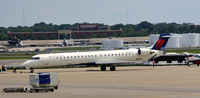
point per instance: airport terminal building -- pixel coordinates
(74, 32)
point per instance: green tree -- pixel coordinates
(2, 29)
(192, 28)
(145, 25)
(3, 36)
(197, 29)
(186, 28)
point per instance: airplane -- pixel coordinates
(195, 59)
(64, 43)
(102, 58)
(15, 42)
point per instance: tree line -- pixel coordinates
(129, 30)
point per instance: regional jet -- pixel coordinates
(102, 58)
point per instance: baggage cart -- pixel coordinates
(47, 81)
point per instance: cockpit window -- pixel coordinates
(35, 58)
(196, 56)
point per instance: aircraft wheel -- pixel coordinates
(56, 87)
(31, 70)
(112, 68)
(153, 64)
(51, 90)
(188, 64)
(36, 90)
(103, 68)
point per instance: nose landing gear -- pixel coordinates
(31, 70)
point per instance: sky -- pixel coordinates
(110, 12)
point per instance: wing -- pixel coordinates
(112, 62)
(107, 62)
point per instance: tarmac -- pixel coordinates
(11, 62)
(127, 82)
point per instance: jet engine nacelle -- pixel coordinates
(144, 51)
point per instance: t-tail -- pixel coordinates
(161, 42)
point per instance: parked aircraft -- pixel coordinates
(102, 58)
(15, 42)
(195, 59)
(62, 44)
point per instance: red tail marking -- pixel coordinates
(159, 43)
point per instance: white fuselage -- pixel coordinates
(96, 57)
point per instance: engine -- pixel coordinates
(144, 51)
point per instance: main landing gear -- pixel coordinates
(112, 68)
(103, 68)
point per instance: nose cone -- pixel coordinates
(27, 63)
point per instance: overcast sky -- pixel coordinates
(98, 11)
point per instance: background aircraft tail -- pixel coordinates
(161, 42)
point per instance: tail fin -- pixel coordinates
(161, 42)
